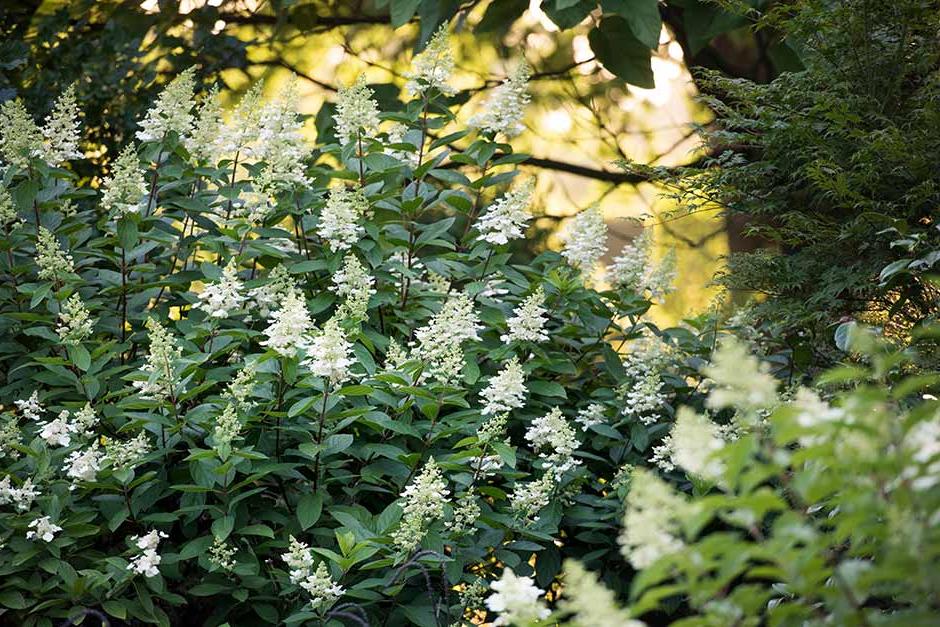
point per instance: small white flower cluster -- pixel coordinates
(644, 397)
(161, 383)
(329, 353)
(528, 499)
(22, 497)
(922, 443)
(504, 110)
(10, 437)
(423, 503)
(170, 112)
(241, 387)
(207, 128)
(53, 262)
(356, 112)
(30, 407)
(398, 134)
(635, 270)
(280, 140)
(75, 323)
(8, 216)
(591, 415)
(506, 218)
(432, 68)
(124, 454)
(588, 602)
(269, 296)
(740, 380)
(466, 512)
(227, 428)
(339, 219)
(59, 430)
(651, 527)
(221, 555)
(224, 297)
(586, 240)
(288, 325)
(147, 560)
(83, 465)
(516, 600)
(56, 142)
(62, 129)
(318, 584)
(555, 442)
(692, 445)
(42, 528)
(125, 187)
(355, 285)
(506, 391)
(438, 344)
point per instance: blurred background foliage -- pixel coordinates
(612, 80)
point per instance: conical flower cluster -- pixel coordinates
(506, 218)
(62, 130)
(171, 113)
(356, 112)
(527, 323)
(125, 188)
(586, 240)
(504, 110)
(339, 219)
(433, 67)
(329, 353)
(224, 297)
(506, 391)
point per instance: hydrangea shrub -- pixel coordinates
(250, 380)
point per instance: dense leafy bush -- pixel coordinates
(248, 381)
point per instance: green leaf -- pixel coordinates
(127, 232)
(402, 11)
(570, 16)
(222, 527)
(79, 356)
(500, 15)
(621, 53)
(337, 443)
(309, 509)
(13, 599)
(642, 17)
(547, 388)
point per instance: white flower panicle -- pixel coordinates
(813, 411)
(634, 269)
(242, 386)
(504, 110)
(527, 323)
(62, 130)
(20, 137)
(516, 600)
(22, 497)
(423, 503)
(355, 285)
(395, 356)
(506, 391)
(644, 397)
(299, 560)
(172, 110)
(243, 125)
(85, 419)
(147, 561)
(433, 67)
(339, 219)
(356, 112)
(692, 445)
(289, 325)
(591, 415)
(58, 431)
(740, 379)
(10, 437)
(280, 140)
(8, 216)
(528, 499)
(75, 323)
(269, 296)
(586, 239)
(224, 297)
(160, 368)
(125, 454)
(554, 441)
(438, 344)
(397, 134)
(508, 216)
(221, 555)
(125, 188)
(651, 523)
(227, 428)
(203, 142)
(42, 528)
(922, 443)
(31, 408)
(321, 588)
(588, 602)
(54, 263)
(83, 465)
(329, 354)
(466, 512)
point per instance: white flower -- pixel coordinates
(329, 353)
(432, 68)
(288, 326)
(53, 262)
(227, 428)
(651, 527)
(240, 389)
(516, 600)
(22, 497)
(62, 129)
(322, 589)
(147, 561)
(466, 512)
(221, 555)
(506, 218)
(8, 216)
(268, 297)
(10, 436)
(586, 240)
(555, 441)
(635, 270)
(83, 465)
(356, 111)
(43, 529)
(58, 431)
(20, 138)
(813, 411)
(589, 603)
(299, 559)
(202, 144)
(124, 454)
(75, 323)
(171, 111)
(505, 391)
(224, 297)
(161, 382)
(740, 379)
(438, 344)
(528, 499)
(339, 219)
(693, 443)
(643, 397)
(923, 444)
(423, 502)
(591, 415)
(527, 323)
(85, 420)
(398, 134)
(125, 188)
(31, 407)
(504, 110)
(244, 124)
(354, 284)
(280, 141)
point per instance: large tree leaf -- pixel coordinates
(642, 17)
(621, 53)
(568, 17)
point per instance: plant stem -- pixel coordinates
(316, 461)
